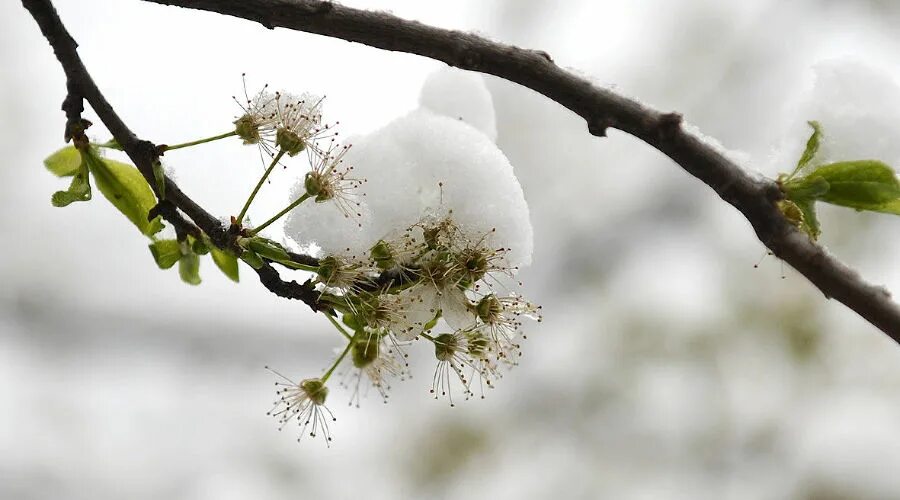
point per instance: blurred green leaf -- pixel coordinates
(431, 324)
(64, 162)
(806, 188)
(351, 321)
(79, 188)
(812, 145)
(165, 252)
(200, 247)
(125, 187)
(268, 249)
(160, 177)
(189, 268)
(858, 184)
(226, 262)
(810, 223)
(252, 259)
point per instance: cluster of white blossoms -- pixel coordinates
(284, 125)
(431, 257)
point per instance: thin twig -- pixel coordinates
(80, 86)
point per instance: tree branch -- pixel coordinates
(80, 86)
(754, 197)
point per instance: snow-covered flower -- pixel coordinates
(397, 253)
(451, 351)
(329, 179)
(260, 118)
(299, 121)
(501, 317)
(336, 271)
(375, 360)
(481, 359)
(393, 313)
(303, 402)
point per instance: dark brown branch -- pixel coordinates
(754, 197)
(80, 86)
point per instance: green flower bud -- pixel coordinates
(383, 255)
(316, 186)
(489, 309)
(315, 390)
(477, 344)
(289, 142)
(329, 267)
(445, 346)
(364, 352)
(247, 129)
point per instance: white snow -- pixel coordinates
(423, 164)
(858, 106)
(461, 95)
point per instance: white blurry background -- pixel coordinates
(667, 367)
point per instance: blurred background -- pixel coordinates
(666, 367)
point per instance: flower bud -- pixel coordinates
(315, 390)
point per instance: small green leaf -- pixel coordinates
(802, 214)
(431, 324)
(79, 189)
(160, 177)
(189, 268)
(812, 145)
(200, 247)
(806, 188)
(351, 321)
(112, 144)
(64, 162)
(125, 187)
(226, 262)
(268, 249)
(165, 252)
(810, 221)
(858, 184)
(252, 259)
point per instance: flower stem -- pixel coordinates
(336, 362)
(301, 267)
(199, 141)
(281, 214)
(339, 327)
(240, 217)
(429, 337)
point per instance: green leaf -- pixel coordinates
(802, 214)
(351, 321)
(226, 262)
(165, 252)
(858, 184)
(79, 189)
(812, 145)
(160, 177)
(252, 259)
(200, 247)
(805, 188)
(64, 162)
(112, 144)
(810, 224)
(268, 249)
(189, 268)
(431, 324)
(125, 187)
(891, 207)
